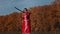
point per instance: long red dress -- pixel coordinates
(26, 23)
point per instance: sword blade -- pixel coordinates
(18, 9)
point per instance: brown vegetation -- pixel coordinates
(11, 22)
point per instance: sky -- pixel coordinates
(7, 6)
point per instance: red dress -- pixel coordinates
(26, 23)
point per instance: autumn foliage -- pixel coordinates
(11, 22)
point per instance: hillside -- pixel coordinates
(45, 18)
(11, 22)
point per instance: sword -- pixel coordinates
(18, 9)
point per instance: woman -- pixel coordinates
(26, 22)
